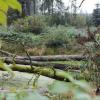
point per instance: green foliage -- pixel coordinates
(32, 24)
(10, 38)
(60, 87)
(6, 68)
(78, 21)
(56, 19)
(67, 19)
(14, 37)
(4, 6)
(91, 43)
(75, 90)
(59, 36)
(52, 40)
(23, 96)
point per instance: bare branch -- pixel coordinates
(81, 3)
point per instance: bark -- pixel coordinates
(54, 58)
(47, 58)
(41, 64)
(52, 6)
(48, 72)
(34, 6)
(5, 53)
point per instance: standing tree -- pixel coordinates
(49, 5)
(25, 7)
(96, 15)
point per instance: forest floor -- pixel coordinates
(21, 80)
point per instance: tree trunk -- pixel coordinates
(34, 9)
(52, 6)
(48, 7)
(28, 4)
(42, 64)
(55, 58)
(48, 72)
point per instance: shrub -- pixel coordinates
(14, 37)
(58, 36)
(11, 41)
(80, 21)
(55, 19)
(34, 24)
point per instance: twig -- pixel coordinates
(36, 79)
(28, 56)
(81, 3)
(30, 79)
(6, 53)
(29, 60)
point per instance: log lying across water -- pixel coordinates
(54, 58)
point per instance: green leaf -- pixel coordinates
(14, 4)
(3, 6)
(82, 84)
(3, 18)
(35, 96)
(82, 96)
(11, 96)
(60, 87)
(6, 68)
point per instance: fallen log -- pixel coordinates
(47, 58)
(5, 53)
(54, 58)
(41, 64)
(48, 72)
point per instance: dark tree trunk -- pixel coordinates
(34, 6)
(25, 7)
(52, 6)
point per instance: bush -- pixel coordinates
(55, 19)
(34, 24)
(11, 41)
(15, 37)
(58, 36)
(78, 21)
